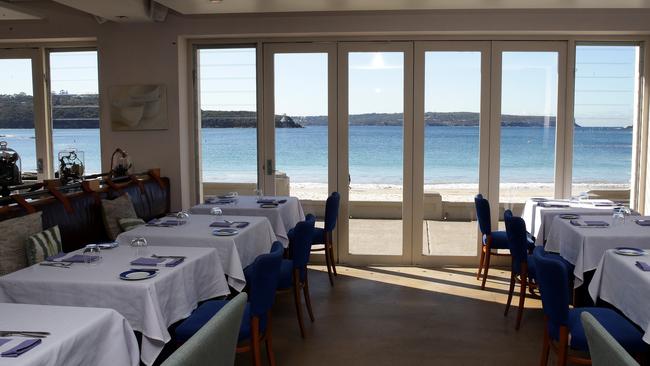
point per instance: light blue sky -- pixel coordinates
(604, 81)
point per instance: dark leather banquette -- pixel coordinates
(79, 215)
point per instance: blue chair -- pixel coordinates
(262, 277)
(490, 239)
(521, 265)
(562, 328)
(324, 235)
(293, 272)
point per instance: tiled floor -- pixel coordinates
(407, 316)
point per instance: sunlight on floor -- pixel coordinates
(458, 281)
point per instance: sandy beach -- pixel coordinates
(509, 192)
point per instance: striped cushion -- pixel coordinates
(128, 224)
(42, 245)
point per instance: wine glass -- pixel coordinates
(216, 211)
(258, 192)
(140, 246)
(182, 215)
(92, 254)
(618, 216)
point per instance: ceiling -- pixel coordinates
(156, 10)
(12, 12)
(275, 6)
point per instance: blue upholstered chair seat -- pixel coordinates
(499, 240)
(620, 328)
(205, 312)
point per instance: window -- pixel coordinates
(75, 106)
(228, 102)
(606, 93)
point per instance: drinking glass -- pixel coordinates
(258, 192)
(618, 217)
(92, 254)
(216, 211)
(140, 246)
(181, 215)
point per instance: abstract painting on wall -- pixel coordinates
(138, 107)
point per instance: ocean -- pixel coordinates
(601, 155)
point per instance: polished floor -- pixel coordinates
(407, 316)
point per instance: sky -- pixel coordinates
(605, 81)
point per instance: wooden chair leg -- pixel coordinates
(328, 261)
(522, 298)
(486, 266)
(510, 291)
(480, 263)
(255, 341)
(296, 298)
(563, 346)
(330, 245)
(305, 291)
(546, 347)
(269, 340)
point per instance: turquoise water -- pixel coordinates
(601, 155)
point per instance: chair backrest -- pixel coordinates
(262, 277)
(216, 341)
(553, 280)
(603, 348)
(483, 214)
(300, 241)
(332, 211)
(517, 240)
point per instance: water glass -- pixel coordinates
(258, 192)
(92, 254)
(140, 246)
(618, 217)
(216, 211)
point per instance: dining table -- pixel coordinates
(538, 213)
(619, 281)
(150, 305)
(235, 250)
(76, 336)
(583, 241)
(283, 216)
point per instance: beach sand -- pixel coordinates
(509, 192)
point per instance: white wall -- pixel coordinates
(154, 53)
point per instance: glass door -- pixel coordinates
(375, 161)
(300, 112)
(22, 112)
(451, 148)
(529, 80)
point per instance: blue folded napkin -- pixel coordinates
(21, 348)
(643, 265)
(220, 201)
(56, 256)
(237, 224)
(4, 340)
(642, 222)
(80, 258)
(271, 201)
(147, 261)
(596, 223)
(174, 262)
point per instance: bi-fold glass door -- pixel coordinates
(407, 132)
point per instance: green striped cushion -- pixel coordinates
(42, 245)
(130, 223)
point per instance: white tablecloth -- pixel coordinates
(619, 282)
(234, 252)
(585, 246)
(538, 219)
(79, 336)
(150, 306)
(282, 218)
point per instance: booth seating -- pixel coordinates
(79, 214)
